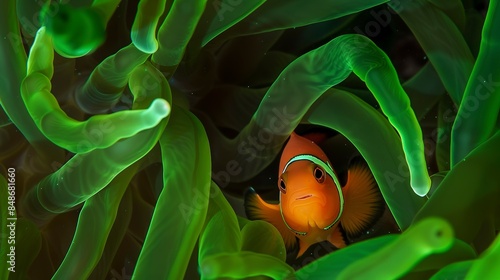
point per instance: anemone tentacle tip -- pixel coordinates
(145, 46)
(161, 107)
(421, 188)
(421, 192)
(440, 231)
(42, 29)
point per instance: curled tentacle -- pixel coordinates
(78, 136)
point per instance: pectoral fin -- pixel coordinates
(257, 209)
(363, 202)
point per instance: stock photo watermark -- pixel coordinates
(11, 219)
(223, 7)
(253, 144)
(469, 106)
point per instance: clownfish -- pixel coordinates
(313, 206)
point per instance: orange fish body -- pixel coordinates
(313, 206)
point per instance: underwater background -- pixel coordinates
(130, 131)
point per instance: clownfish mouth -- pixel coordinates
(304, 197)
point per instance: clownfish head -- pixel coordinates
(310, 192)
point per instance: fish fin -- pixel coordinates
(257, 209)
(363, 202)
(337, 238)
(303, 246)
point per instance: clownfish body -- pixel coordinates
(313, 206)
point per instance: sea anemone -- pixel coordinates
(131, 129)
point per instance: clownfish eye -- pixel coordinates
(282, 185)
(319, 174)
